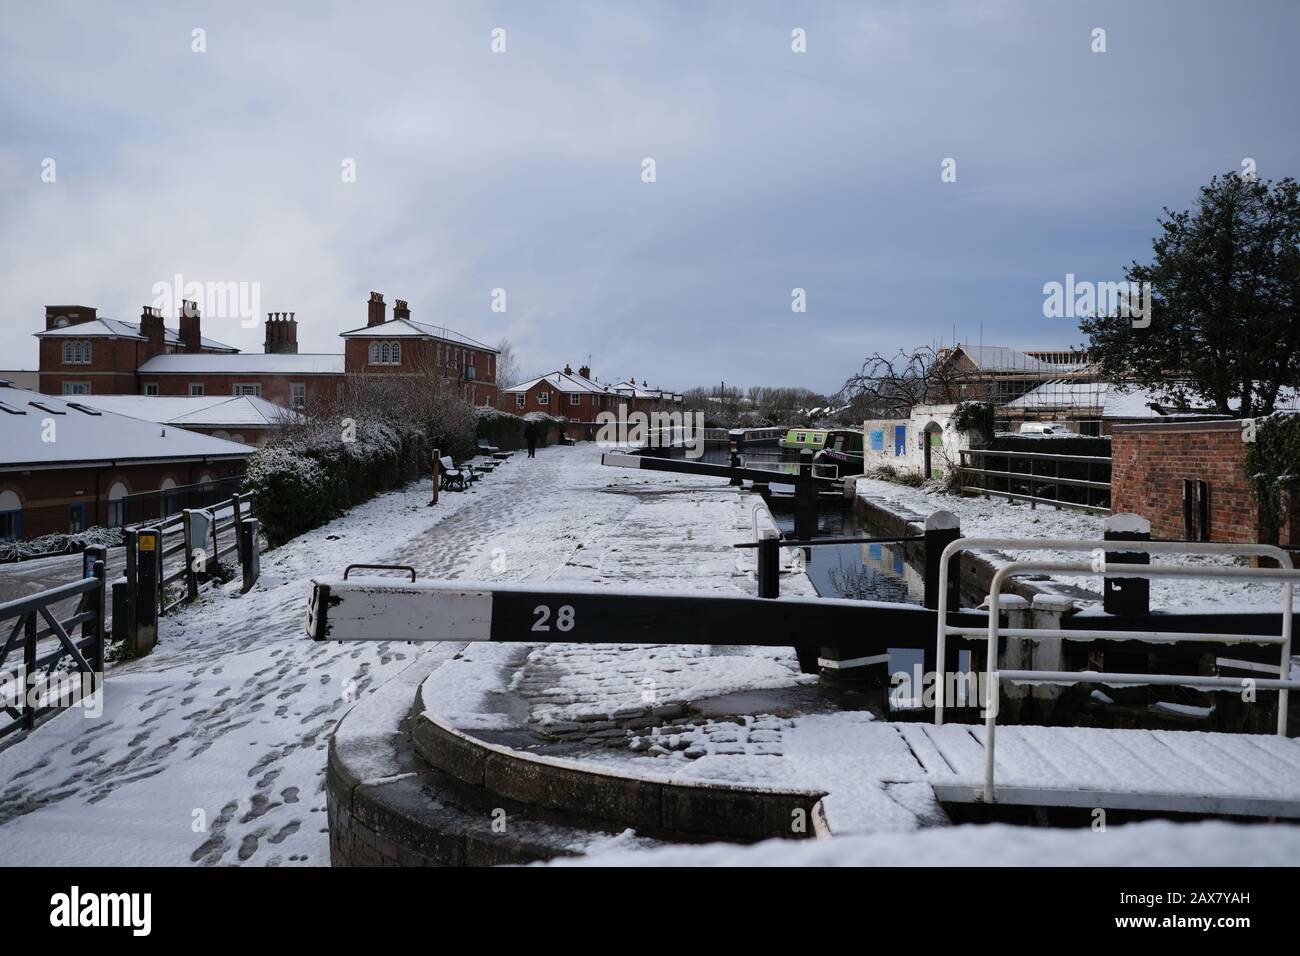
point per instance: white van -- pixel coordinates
(1046, 428)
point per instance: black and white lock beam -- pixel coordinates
(688, 467)
(387, 609)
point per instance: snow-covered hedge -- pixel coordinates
(549, 427)
(52, 544)
(305, 478)
(499, 428)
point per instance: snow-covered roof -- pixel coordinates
(204, 410)
(563, 382)
(410, 328)
(116, 328)
(643, 391)
(243, 363)
(999, 358)
(1108, 400)
(85, 435)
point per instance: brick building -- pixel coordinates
(579, 398)
(1187, 478)
(82, 353)
(403, 346)
(563, 394)
(67, 466)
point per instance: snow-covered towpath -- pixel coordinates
(211, 750)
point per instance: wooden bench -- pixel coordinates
(454, 478)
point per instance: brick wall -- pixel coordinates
(47, 496)
(427, 356)
(1150, 461)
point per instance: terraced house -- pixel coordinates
(83, 353)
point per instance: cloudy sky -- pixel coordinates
(523, 170)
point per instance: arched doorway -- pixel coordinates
(931, 438)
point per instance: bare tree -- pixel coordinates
(889, 386)
(507, 365)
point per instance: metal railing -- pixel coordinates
(35, 620)
(149, 507)
(1286, 574)
(1024, 485)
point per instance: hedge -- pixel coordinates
(304, 480)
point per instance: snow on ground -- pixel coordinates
(212, 748)
(1000, 518)
(1149, 844)
(675, 539)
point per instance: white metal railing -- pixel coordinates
(1286, 575)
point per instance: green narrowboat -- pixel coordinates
(797, 439)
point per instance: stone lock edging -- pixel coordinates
(655, 806)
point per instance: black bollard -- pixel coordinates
(1130, 597)
(942, 528)
(769, 567)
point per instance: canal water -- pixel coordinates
(862, 572)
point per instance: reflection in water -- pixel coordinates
(863, 572)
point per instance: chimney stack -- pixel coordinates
(191, 338)
(281, 333)
(567, 369)
(151, 327)
(401, 310)
(59, 316)
(585, 372)
(376, 311)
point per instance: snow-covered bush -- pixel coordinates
(52, 544)
(499, 428)
(306, 476)
(549, 428)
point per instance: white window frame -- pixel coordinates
(543, 397)
(76, 351)
(247, 388)
(519, 400)
(575, 399)
(196, 390)
(298, 394)
(76, 388)
(150, 388)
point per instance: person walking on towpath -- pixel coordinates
(530, 436)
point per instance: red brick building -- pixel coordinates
(82, 353)
(403, 346)
(580, 398)
(1187, 478)
(68, 466)
(561, 394)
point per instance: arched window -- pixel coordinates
(76, 352)
(11, 516)
(374, 353)
(116, 504)
(395, 356)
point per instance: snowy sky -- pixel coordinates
(522, 170)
